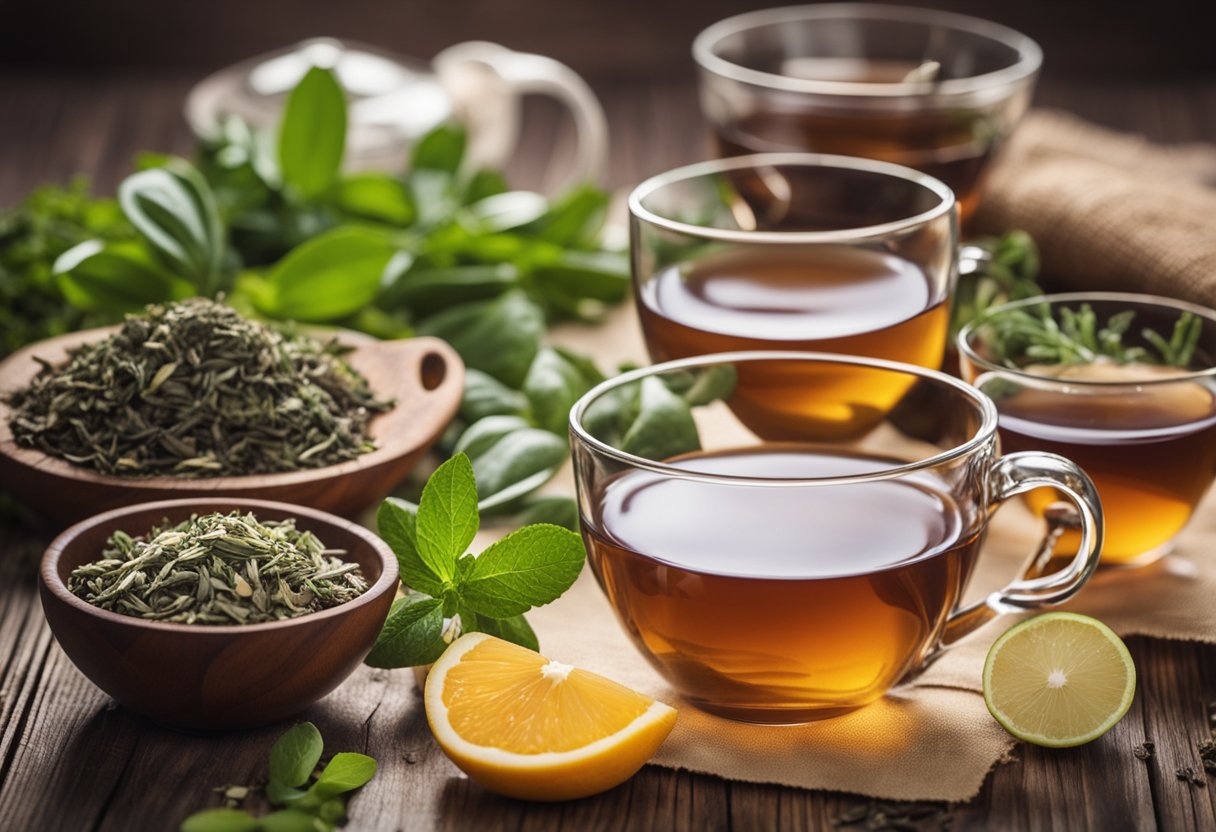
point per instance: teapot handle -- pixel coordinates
(477, 72)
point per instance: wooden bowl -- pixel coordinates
(424, 375)
(215, 678)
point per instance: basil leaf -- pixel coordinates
(515, 629)
(346, 772)
(447, 516)
(173, 210)
(485, 433)
(312, 134)
(576, 219)
(440, 149)
(598, 275)
(610, 415)
(425, 291)
(664, 426)
(485, 395)
(504, 212)
(556, 511)
(114, 277)
(553, 385)
(295, 755)
(287, 820)
(396, 523)
(412, 634)
(519, 456)
(376, 196)
(500, 337)
(330, 276)
(220, 820)
(528, 568)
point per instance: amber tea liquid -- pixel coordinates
(809, 600)
(1152, 456)
(837, 299)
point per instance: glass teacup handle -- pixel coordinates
(486, 81)
(972, 259)
(1012, 475)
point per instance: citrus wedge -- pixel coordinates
(526, 727)
(1059, 679)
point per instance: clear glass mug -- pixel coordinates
(935, 91)
(797, 251)
(1146, 434)
(782, 582)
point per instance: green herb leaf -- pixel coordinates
(396, 523)
(287, 820)
(426, 291)
(282, 795)
(220, 820)
(576, 219)
(346, 772)
(485, 395)
(557, 511)
(447, 516)
(599, 275)
(331, 276)
(441, 149)
(312, 135)
(516, 629)
(412, 635)
(504, 212)
(664, 426)
(295, 755)
(485, 433)
(528, 568)
(500, 337)
(115, 277)
(552, 386)
(376, 196)
(520, 456)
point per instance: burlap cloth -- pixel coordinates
(1136, 219)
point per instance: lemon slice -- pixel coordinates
(526, 727)
(1059, 679)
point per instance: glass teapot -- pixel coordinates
(394, 100)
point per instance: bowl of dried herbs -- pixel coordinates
(217, 614)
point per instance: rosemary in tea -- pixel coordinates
(193, 389)
(218, 569)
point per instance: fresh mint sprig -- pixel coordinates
(454, 592)
(319, 806)
(1034, 334)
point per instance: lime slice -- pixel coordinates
(1059, 679)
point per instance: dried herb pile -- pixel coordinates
(218, 569)
(193, 389)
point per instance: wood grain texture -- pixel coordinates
(70, 760)
(424, 376)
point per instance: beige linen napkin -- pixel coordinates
(1108, 210)
(932, 739)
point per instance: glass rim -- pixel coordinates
(709, 167)
(983, 434)
(1030, 54)
(963, 339)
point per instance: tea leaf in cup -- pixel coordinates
(296, 754)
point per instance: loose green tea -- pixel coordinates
(192, 389)
(218, 569)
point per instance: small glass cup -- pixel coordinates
(935, 91)
(783, 582)
(1146, 434)
(796, 251)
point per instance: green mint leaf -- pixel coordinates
(594, 275)
(280, 794)
(447, 516)
(220, 820)
(485, 433)
(115, 277)
(485, 395)
(345, 773)
(295, 755)
(333, 275)
(312, 134)
(664, 426)
(553, 385)
(516, 629)
(441, 149)
(528, 568)
(412, 635)
(484, 183)
(500, 337)
(575, 219)
(287, 820)
(396, 522)
(530, 456)
(556, 511)
(377, 197)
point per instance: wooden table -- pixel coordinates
(71, 760)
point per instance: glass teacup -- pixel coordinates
(789, 581)
(1145, 432)
(935, 91)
